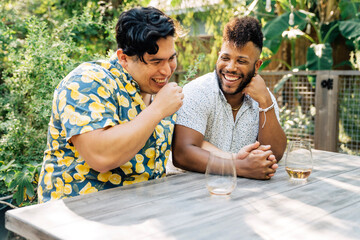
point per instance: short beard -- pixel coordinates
(243, 84)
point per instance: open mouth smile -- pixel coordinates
(159, 80)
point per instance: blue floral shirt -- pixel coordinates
(97, 95)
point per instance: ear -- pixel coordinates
(122, 57)
(258, 65)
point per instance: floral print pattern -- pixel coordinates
(97, 95)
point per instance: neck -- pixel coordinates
(146, 98)
(235, 100)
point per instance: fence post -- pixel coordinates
(326, 119)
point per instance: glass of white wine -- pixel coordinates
(221, 173)
(298, 161)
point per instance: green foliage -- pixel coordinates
(39, 47)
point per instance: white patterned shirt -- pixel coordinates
(206, 110)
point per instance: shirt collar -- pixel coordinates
(128, 78)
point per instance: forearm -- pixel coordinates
(272, 133)
(106, 149)
(191, 158)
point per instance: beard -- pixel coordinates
(246, 79)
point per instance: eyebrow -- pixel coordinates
(161, 59)
(240, 57)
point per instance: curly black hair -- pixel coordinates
(243, 30)
(138, 30)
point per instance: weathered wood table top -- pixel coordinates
(180, 207)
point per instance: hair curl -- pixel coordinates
(138, 30)
(243, 30)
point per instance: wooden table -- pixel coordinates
(180, 207)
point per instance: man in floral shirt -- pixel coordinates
(106, 128)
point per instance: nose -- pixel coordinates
(231, 66)
(166, 69)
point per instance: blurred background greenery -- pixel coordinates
(43, 40)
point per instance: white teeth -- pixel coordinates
(231, 78)
(159, 80)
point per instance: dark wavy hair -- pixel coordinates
(243, 30)
(138, 30)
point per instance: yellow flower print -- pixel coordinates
(167, 153)
(115, 179)
(99, 75)
(104, 177)
(49, 168)
(138, 178)
(127, 168)
(94, 98)
(106, 65)
(139, 158)
(132, 113)
(54, 132)
(174, 117)
(169, 138)
(47, 181)
(109, 122)
(55, 145)
(123, 101)
(65, 161)
(111, 106)
(130, 88)
(102, 92)
(55, 195)
(63, 133)
(40, 193)
(83, 169)
(139, 168)
(54, 108)
(86, 78)
(113, 84)
(96, 115)
(67, 189)
(79, 177)
(150, 152)
(67, 177)
(59, 154)
(138, 99)
(59, 184)
(115, 72)
(62, 100)
(96, 107)
(88, 189)
(86, 129)
(73, 86)
(159, 130)
(82, 120)
(79, 159)
(163, 147)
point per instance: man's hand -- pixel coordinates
(254, 161)
(169, 99)
(257, 90)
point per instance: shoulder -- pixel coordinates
(204, 85)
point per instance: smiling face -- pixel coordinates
(236, 66)
(157, 69)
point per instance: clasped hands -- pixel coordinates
(256, 161)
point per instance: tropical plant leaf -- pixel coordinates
(350, 29)
(22, 183)
(319, 57)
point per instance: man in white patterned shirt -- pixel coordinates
(231, 109)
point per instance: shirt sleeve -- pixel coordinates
(276, 106)
(86, 102)
(195, 109)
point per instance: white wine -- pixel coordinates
(298, 173)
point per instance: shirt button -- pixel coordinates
(133, 84)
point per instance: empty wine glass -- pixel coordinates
(220, 173)
(298, 161)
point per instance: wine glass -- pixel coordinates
(298, 161)
(221, 173)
